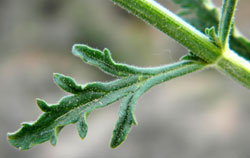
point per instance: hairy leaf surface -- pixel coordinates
(132, 82)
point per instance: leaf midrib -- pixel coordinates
(139, 81)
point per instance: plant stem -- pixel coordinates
(167, 22)
(225, 26)
(230, 63)
(161, 18)
(235, 66)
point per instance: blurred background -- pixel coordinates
(199, 115)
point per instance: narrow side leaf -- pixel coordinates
(124, 122)
(53, 139)
(82, 126)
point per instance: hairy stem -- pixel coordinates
(167, 22)
(235, 66)
(225, 60)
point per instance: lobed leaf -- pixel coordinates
(69, 110)
(131, 84)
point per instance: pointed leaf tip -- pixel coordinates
(26, 124)
(43, 105)
(134, 121)
(107, 56)
(77, 48)
(107, 53)
(86, 53)
(90, 55)
(67, 83)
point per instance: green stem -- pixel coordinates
(223, 59)
(167, 22)
(225, 25)
(230, 63)
(235, 66)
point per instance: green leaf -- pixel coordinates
(68, 111)
(132, 81)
